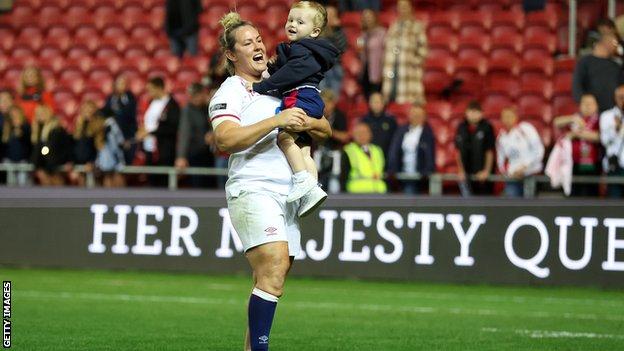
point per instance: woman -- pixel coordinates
(109, 142)
(83, 149)
(31, 92)
(123, 106)
(50, 147)
(584, 131)
(371, 48)
(406, 50)
(413, 150)
(16, 140)
(245, 125)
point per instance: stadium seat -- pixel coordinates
(474, 22)
(438, 74)
(505, 67)
(386, 18)
(564, 105)
(511, 20)
(474, 45)
(494, 104)
(351, 63)
(471, 69)
(532, 108)
(352, 19)
(535, 69)
(438, 109)
(546, 19)
(447, 21)
(507, 87)
(506, 44)
(562, 84)
(83, 64)
(541, 88)
(442, 42)
(539, 46)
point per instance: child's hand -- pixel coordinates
(249, 86)
(272, 60)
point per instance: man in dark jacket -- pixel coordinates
(195, 136)
(382, 124)
(598, 74)
(122, 104)
(475, 143)
(413, 150)
(182, 25)
(160, 128)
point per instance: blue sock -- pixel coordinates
(261, 311)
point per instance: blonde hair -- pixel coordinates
(230, 23)
(45, 127)
(8, 127)
(94, 128)
(21, 89)
(320, 17)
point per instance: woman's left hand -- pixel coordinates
(307, 125)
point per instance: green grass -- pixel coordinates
(111, 310)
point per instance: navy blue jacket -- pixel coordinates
(303, 62)
(425, 151)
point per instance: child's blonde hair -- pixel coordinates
(320, 18)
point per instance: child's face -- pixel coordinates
(300, 24)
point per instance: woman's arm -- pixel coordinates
(563, 121)
(232, 137)
(318, 129)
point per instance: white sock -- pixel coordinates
(265, 295)
(301, 176)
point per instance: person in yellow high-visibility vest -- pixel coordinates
(363, 163)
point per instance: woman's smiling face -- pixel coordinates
(249, 55)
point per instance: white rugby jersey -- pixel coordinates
(520, 147)
(263, 165)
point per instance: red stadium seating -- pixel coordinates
(438, 110)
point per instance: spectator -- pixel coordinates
(16, 140)
(619, 25)
(182, 26)
(31, 92)
(359, 5)
(160, 127)
(371, 48)
(84, 151)
(519, 152)
(612, 138)
(382, 124)
(6, 102)
(217, 73)
(583, 129)
(195, 137)
(413, 150)
(363, 163)
(475, 144)
(604, 26)
(597, 74)
(405, 53)
(336, 35)
(339, 137)
(109, 142)
(51, 149)
(122, 105)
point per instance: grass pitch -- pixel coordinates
(111, 310)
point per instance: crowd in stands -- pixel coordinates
(388, 123)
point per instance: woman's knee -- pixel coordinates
(271, 279)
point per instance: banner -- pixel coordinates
(473, 240)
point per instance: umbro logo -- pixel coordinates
(264, 339)
(271, 230)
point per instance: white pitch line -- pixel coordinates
(558, 334)
(34, 294)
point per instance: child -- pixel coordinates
(295, 75)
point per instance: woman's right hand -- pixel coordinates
(291, 118)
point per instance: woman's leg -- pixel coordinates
(270, 263)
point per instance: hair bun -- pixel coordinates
(230, 20)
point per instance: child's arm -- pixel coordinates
(300, 65)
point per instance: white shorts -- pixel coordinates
(261, 217)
